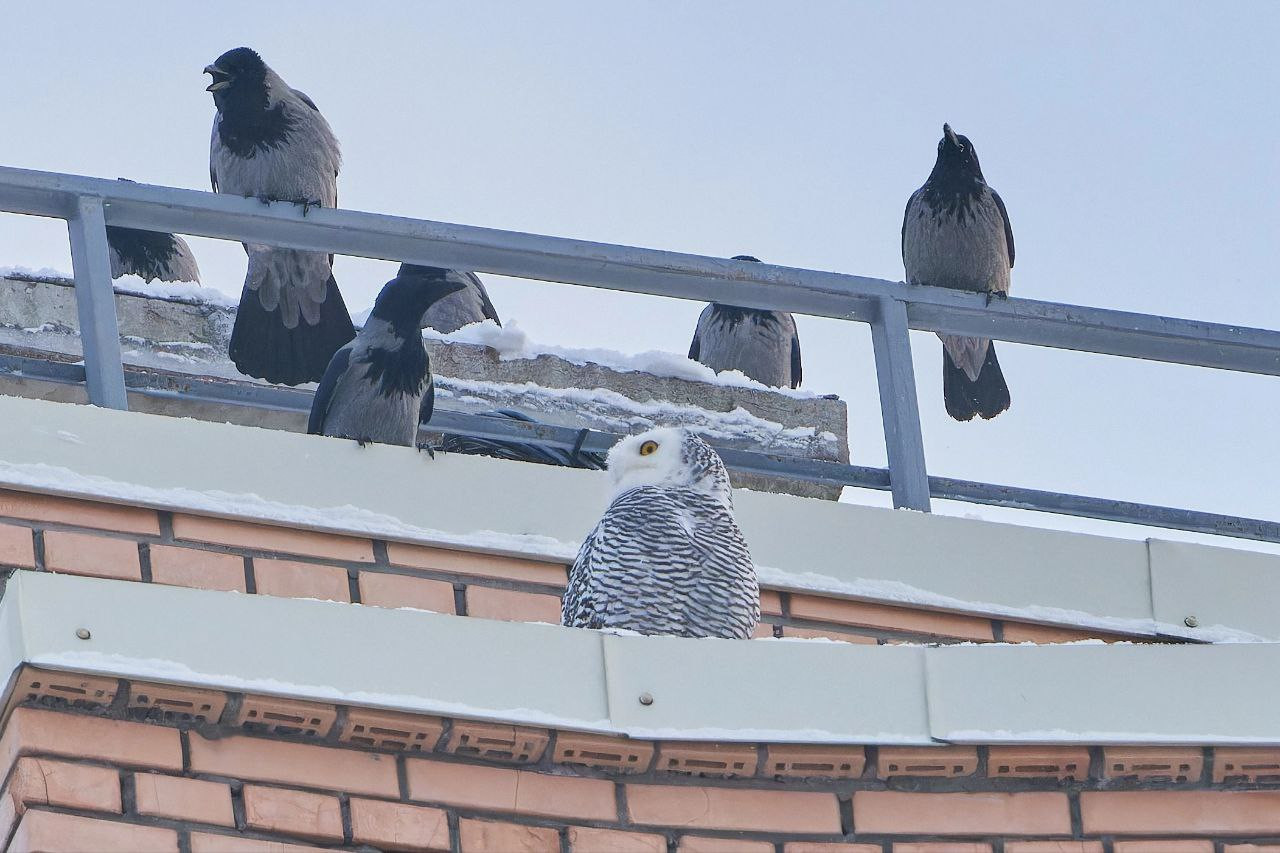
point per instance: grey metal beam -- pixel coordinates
(899, 408)
(96, 304)
(650, 271)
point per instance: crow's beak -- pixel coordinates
(950, 135)
(221, 79)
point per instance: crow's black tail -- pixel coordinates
(987, 397)
(262, 346)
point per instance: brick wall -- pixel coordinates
(137, 544)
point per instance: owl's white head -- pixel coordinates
(668, 456)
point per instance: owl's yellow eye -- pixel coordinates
(648, 447)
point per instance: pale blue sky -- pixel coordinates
(1134, 144)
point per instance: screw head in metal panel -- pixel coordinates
(83, 633)
(1191, 622)
(646, 699)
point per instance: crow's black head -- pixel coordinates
(248, 122)
(238, 75)
(956, 157)
(407, 297)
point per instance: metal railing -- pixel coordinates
(891, 309)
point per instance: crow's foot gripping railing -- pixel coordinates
(891, 308)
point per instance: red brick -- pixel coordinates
(703, 844)
(510, 605)
(1251, 848)
(951, 762)
(708, 759)
(95, 556)
(183, 799)
(43, 781)
(1166, 845)
(828, 847)
(770, 603)
(521, 792)
(48, 832)
(17, 547)
(479, 565)
(763, 630)
(398, 826)
(261, 537)
(290, 579)
(1053, 847)
(207, 842)
(71, 688)
(603, 752)
(1153, 763)
(391, 730)
(285, 716)
(894, 812)
(497, 742)
(198, 569)
(806, 761)
(905, 619)
(34, 730)
(303, 764)
(1167, 812)
(484, 836)
(176, 702)
(827, 634)
(586, 840)
(100, 516)
(1038, 762)
(733, 809)
(941, 847)
(383, 589)
(298, 813)
(1024, 632)
(1254, 764)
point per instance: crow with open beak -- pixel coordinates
(956, 234)
(270, 142)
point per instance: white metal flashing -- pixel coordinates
(760, 690)
(539, 511)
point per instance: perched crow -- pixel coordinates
(374, 387)
(467, 306)
(270, 142)
(762, 344)
(956, 233)
(150, 255)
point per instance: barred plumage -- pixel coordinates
(667, 557)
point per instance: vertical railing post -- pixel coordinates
(96, 305)
(891, 339)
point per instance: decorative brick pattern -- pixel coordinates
(50, 832)
(1038, 762)
(261, 537)
(939, 761)
(285, 716)
(511, 605)
(301, 764)
(894, 812)
(177, 798)
(733, 809)
(586, 840)
(176, 703)
(1246, 764)
(800, 761)
(298, 813)
(389, 730)
(17, 547)
(931, 623)
(91, 555)
(497, 742)
(708, 759)
(54, 687)
(383, 589)
(291, 579)
(198, 569)
(1164, 812)
(1152, 764)
(520, 792)
(485, 836)
(398, 826)
(477, 565)
(603, 752)
(92, 514)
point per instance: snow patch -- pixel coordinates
(36, 273)
(184, 291)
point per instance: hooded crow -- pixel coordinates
(271, 142)
(956, 234)
(762, 344)
(467, 306)
(150, 255)
(376, 387)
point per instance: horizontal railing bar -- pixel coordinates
(268, 397)
(648, 271)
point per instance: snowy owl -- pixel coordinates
(667, 557)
